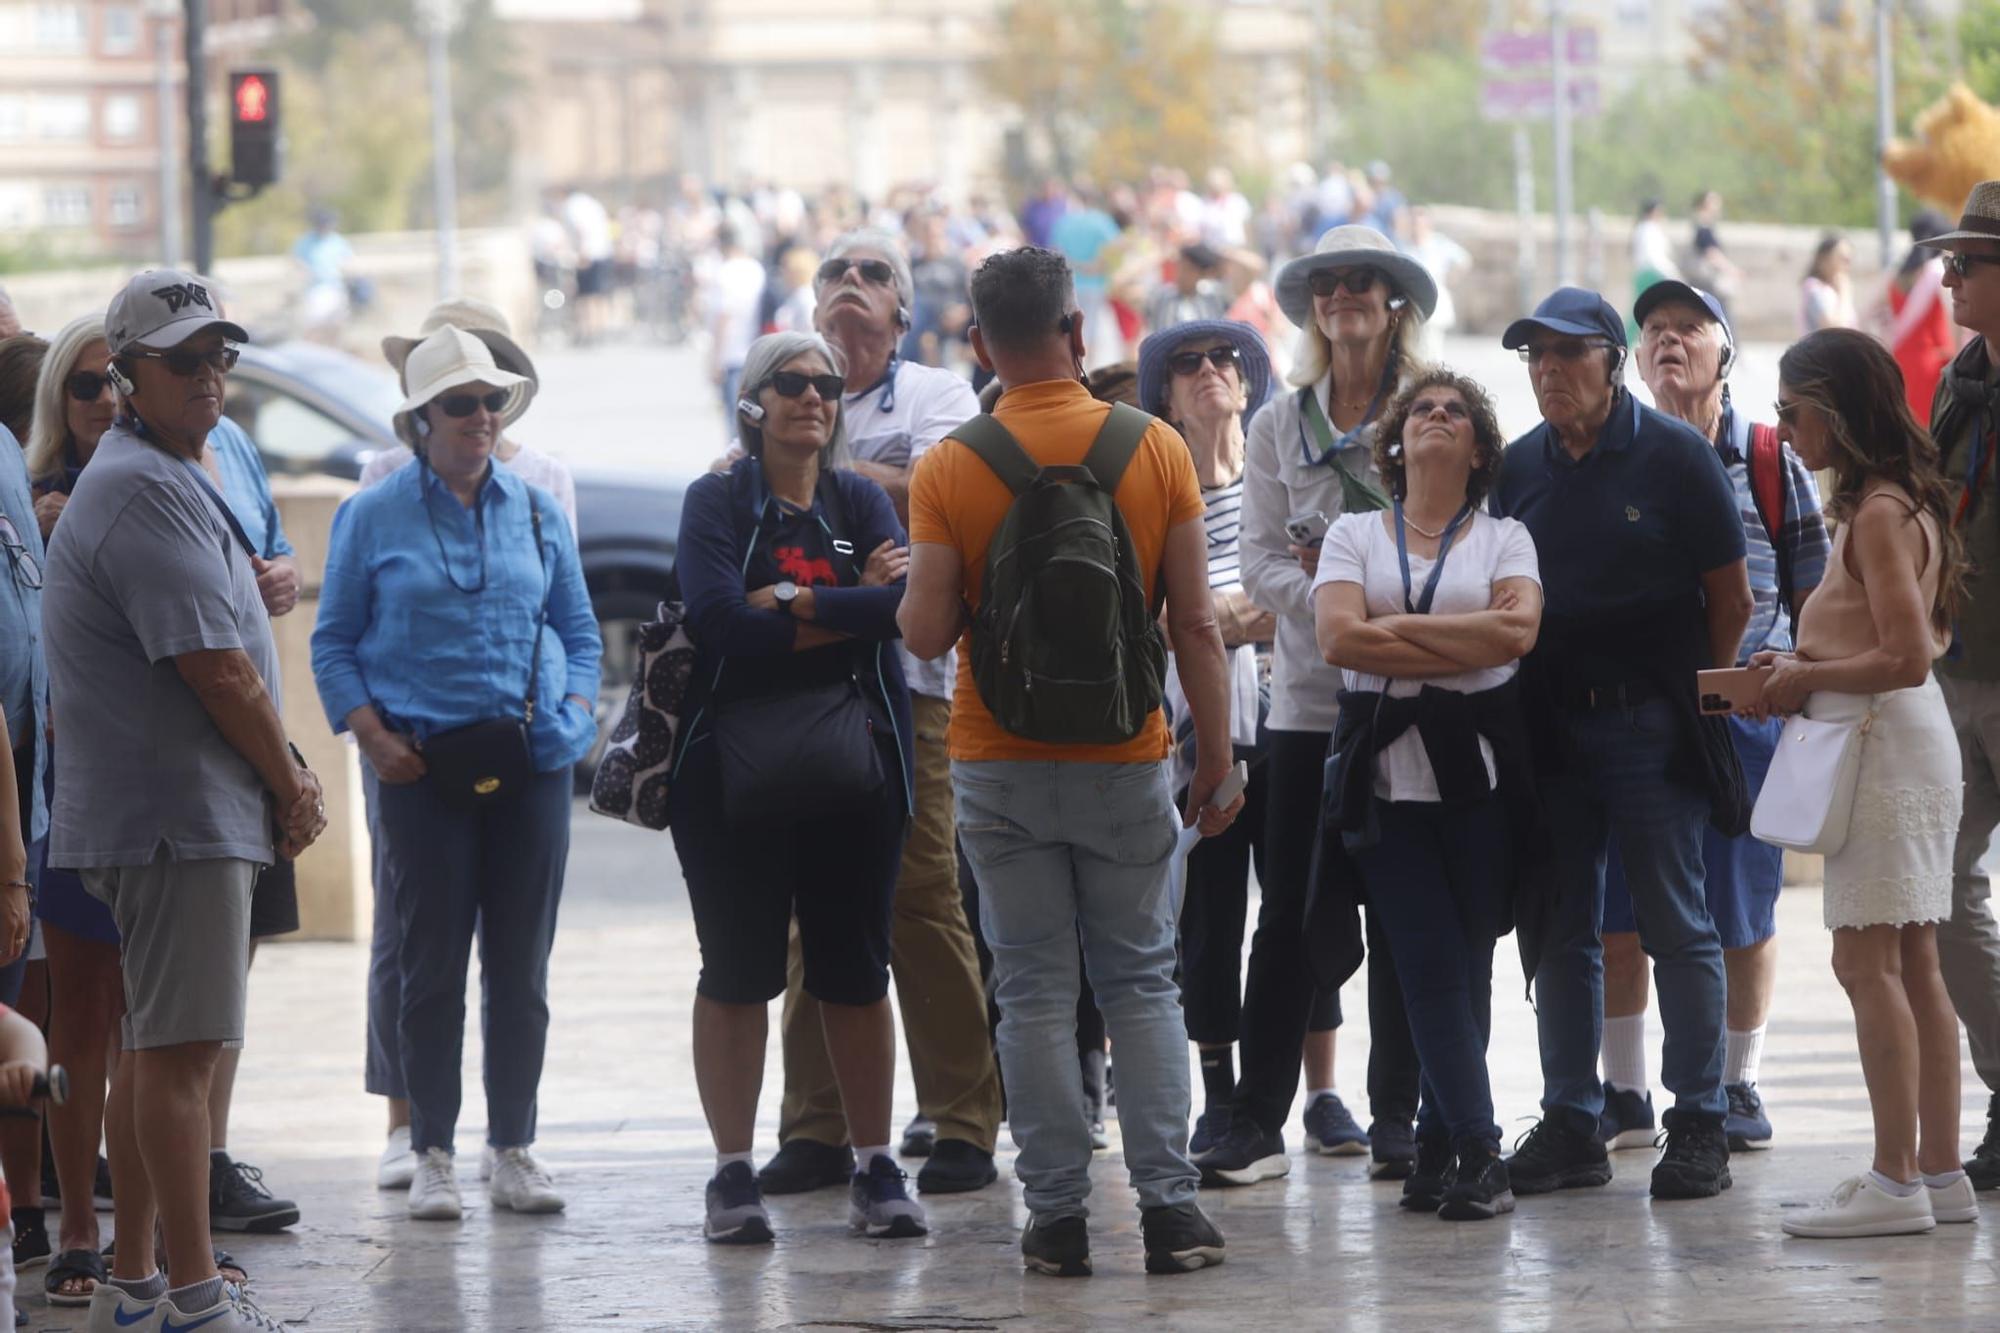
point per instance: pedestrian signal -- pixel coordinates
(253, 127)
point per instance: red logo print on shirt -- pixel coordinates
(794, 564)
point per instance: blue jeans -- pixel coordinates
(1438, 882)
(1062, 852)
(453, 876)
(1615, 784)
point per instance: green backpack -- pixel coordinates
(1065, 648)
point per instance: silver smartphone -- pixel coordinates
(1307, 529)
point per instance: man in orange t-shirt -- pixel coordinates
(1072, 842)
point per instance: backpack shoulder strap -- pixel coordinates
(1117, 440)
(999, 450)
(1767, 478)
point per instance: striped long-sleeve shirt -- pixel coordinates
(1803, 538)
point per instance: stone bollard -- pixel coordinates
(336, 886)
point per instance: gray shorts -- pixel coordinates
(185, 951)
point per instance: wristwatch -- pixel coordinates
(786, 593)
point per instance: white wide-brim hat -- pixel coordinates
(449, 359)
(1354, 246)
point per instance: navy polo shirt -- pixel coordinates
(1640, 518)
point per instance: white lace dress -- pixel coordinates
(1896, 867)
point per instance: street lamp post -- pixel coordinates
(438, 17)
(1885, 129)
(165, 117)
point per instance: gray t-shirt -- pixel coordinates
(143, 567)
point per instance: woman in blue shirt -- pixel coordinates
(450, 588)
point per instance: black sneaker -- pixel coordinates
(919, 1137)
(806, 1164)
(1059, 1247)
(1245, 1156)
(1209, 1129)
(1983, 1167)
(1392, 1148)
(1748, 1128)
(1551, 1156)
(1696, 1162)
(238, 1201)
(1423, 1188)
(1479, 1187)
(1179, 1239)
(956, 1167)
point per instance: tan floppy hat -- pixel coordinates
(481, 319)
(447, 359)
(1979, 222)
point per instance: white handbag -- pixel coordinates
(1808, 795)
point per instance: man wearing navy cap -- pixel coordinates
(1642, 553)
(1685, 351)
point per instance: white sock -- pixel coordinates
(863, 1156)
(1744, 1051)
(1624, 1053)
(1898, 1189)
(723, 1159)
(1314, 1094)
(1944, 1181)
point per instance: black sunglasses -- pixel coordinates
(465, 404)
(1962, 263)
(1327, 281)
(1222, 358)
(188, 364)
(1452, 408)
(86, 386)
(876, 271)
(792, 383)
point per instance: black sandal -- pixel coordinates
(69, 1266)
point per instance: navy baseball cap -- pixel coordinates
(1576, 311)
(1672, 289)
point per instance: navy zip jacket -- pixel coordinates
(720, 517)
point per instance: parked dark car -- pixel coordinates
(315, 410)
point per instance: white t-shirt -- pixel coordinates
(590, 225)
(735, 299)
(928, 404)
(1359, 549)
(529, 464)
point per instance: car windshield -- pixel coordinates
(365, 387)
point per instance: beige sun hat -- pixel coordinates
(481, 319)
(448, 359)
(1979, 222)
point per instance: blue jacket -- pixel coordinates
(719, 518)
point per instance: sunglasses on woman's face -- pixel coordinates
(1451, 407)
(188, 364)
(1327, 281)
(87, 386)
(792, 383)
(465, 404)
(876, 271)
(1189, 363)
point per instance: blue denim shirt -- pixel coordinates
(394, 631)
(24, 677)
(248, 490)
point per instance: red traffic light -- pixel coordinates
(253, 98)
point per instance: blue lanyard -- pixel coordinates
(1422, 607)
(886, 402)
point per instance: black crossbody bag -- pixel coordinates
(488, 761)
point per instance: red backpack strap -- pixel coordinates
(1767, 479)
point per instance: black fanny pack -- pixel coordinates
(802, 754)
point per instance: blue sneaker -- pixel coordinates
(1331, 1130)
(1627, 1119)
(879, 1204)
(1748, 1128)
(1211, 1128)
(1392, 1146)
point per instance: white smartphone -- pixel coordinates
(1231, 787)
(1307, 529)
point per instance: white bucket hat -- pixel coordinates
(1354, 246)
(447, 359)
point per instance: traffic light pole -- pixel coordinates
(201, 181)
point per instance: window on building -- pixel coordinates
(59, 28)
(62, 117)
(66, 206)
(121, 118)
(128, 206)
(13, 117)
(121, 30)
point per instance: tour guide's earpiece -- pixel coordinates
(1397, 302)
(1728, 355)
(903, 317)
(119, 379)
(751, 411)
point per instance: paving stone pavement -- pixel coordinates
(1324, 1248)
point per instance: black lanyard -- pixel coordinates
(1422, 607)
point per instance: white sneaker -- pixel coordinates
(1955, 1202)
(1860, 1207)
(397, 1166)
(114, 1311)
(434, 1193)
(234, 1311)
(520, 1183)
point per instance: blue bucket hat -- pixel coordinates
(1154, 375)
(1577, 311)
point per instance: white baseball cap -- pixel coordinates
(161, 309)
